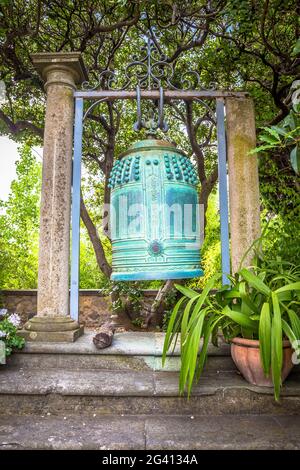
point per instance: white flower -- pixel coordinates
(2, 334)
(14, 319)
(3, 311)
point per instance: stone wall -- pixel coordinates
(94, 307)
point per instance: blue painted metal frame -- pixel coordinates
(75, 253)
(223, 197)
(223, 194)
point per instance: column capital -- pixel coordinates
(65, 68)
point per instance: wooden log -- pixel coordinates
(104, 336)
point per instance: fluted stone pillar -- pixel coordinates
(243, 179)
(61, 73)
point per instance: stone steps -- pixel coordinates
(46, 361)
(132, 432)
(129, 351)
(26, 391)
(128, 378)
(73, 396)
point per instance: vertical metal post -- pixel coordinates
(75, 254)
(223, 194)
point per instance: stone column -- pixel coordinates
(61, 72)
(243, 179)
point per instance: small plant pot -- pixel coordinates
(246, 356)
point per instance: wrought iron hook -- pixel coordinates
(139, 124)
(161, 123)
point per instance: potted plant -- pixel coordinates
(258, 313)
(9, 324)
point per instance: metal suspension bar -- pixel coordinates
(223, 195)
(75, 254)
(139, 124)
(187, 95)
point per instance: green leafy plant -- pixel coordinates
(282, 136)
(287, 133)
(259, 304)
(168, 305)
(125, 294)
(9, 324)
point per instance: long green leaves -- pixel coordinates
(190, 350)
(288, 331)
(240, 318)
(265, 338)
(255, 281)
(191, 332)
(276, 346)
(289, 287)
(210, 326)
(295, 323)
(190, 293)
(170, 331)
(188, 321)
(263, 305)
(185, 320)
(191, 313)
(247, 305)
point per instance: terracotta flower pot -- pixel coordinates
(245, 354)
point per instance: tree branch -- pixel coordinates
(159, 299)
(95, 240)
(193, 140)
(20, 126)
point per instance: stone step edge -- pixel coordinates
(145, 385)
(124, 344)
(151, 432)
(208, 391)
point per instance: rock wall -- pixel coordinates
(94, 307)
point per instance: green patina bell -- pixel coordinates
(155, 220)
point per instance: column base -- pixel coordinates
(52, 328)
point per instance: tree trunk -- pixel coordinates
(95, 240)
(159, 299)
